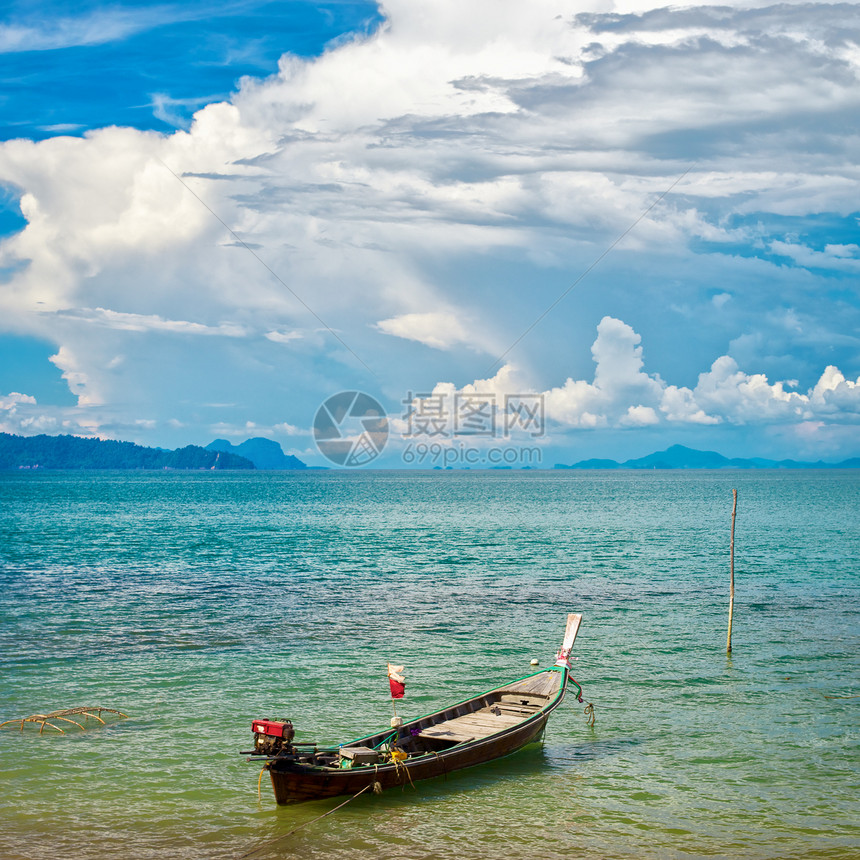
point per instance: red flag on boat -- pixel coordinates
(396, 681)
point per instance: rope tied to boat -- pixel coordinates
(296, 829)
(589, 706)
(398, 759)
(442, 762)
(589, 712)
(260, 783)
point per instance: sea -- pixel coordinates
(195, 602)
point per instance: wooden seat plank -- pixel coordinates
(478, 724)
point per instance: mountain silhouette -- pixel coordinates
(681, 457)
(263, 453)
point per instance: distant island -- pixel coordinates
(75, 452)
(263, 453)
(680, 457)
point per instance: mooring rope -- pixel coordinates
(259, 784)
(589, 712)
(589, 706)
(296, 829)
(397, 766)
(442, 762)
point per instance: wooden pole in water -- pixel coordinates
(732, 574)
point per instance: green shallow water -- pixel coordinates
(196, 602)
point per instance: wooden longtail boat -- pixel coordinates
(486, 727)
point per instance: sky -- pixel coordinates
(605, 227)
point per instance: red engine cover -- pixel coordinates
(270, 728)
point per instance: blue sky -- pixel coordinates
(149, 65)
(214, 216)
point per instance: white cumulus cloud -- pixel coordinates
(623, 395)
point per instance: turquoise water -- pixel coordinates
(196, 602)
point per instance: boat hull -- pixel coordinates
(295, 785)
(294, 782)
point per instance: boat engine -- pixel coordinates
(273, 737)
